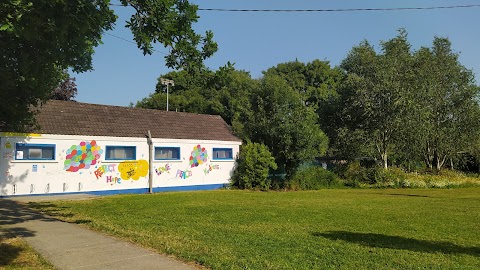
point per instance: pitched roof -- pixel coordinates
(75, 118)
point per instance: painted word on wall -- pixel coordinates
(198, 156)
(163, 169)
(183, 174)
(8, 145)
(210, 168)
(114, 180)
(82, 156)
(103, 169)
(133, 169)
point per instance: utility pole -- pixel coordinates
(150, 162)
(167, 82)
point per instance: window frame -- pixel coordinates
(167, 147)
(35, 145)
(107, 148)
(222, 149)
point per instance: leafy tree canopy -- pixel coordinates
(40, 40)
(279, 119)
(410, 105)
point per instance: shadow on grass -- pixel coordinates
(8, 253)
(50, 209)
(409, 195)
(398, 242)
(12, 213)
(56, 211)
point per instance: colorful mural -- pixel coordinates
(198, 156)
(163, 169)
(183, 174)
(103, 169)
(133, 169)
(210, 168)
(113, 180)
(82, 156)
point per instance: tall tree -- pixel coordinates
(449, 104)
(279, 119)
(317, 84)
(379, 86)
(40, 40)
(407, 105)
(224, 92)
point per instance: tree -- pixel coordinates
(378, 93)
(317, 84)
(67, 90)
(448, 104)
(40, 40)
(224, 92)
(279, 119)
(411, 106)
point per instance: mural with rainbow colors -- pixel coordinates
(79, 165)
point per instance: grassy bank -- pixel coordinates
(326, 229)
(16, 254)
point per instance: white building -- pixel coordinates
(99, 149)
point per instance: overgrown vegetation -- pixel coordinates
(326, 229)
(355, 175)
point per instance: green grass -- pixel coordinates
(16, 254)
(326, 229)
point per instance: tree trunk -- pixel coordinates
(382, 149)
(429, 157)
(385, 160)
(440, 162)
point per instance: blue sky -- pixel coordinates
(257, 41)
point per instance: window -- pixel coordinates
(167, 153)
(25, 151)
(120, 153)
(222, 153)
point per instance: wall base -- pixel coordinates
(129, 191)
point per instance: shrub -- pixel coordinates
(391, 177)
(253, 165)
(355, 174)
(312, 178)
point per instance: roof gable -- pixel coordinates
(75, 118)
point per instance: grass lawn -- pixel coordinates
(16, 254)
(326, 229)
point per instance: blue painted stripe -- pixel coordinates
(129, 191)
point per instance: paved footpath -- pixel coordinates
(70, 246)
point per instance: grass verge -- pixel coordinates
(16, 254)
(325, 229)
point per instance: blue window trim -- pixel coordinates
(121, 146)
(222, 149)
(28, 145)
(168, 147)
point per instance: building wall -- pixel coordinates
(196, 168)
